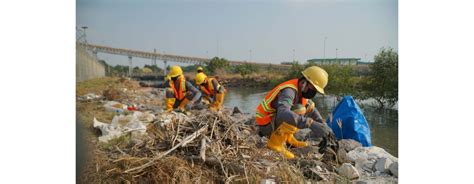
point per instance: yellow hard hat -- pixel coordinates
(317, 76)
(175, 71)
(200, 68)
(200, 78)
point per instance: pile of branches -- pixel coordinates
(203, 147)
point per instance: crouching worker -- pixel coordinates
(180, 94)
(288, 108)
(214, 92)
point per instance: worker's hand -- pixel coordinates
(188, 106)
(320, 129)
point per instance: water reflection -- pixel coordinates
(383, 124)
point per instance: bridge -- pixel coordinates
(166, 57)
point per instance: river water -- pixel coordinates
(383, 123)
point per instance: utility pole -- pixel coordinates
(250, 55)
(336, 53)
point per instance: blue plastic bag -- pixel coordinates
(354, 125)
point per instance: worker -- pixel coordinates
(214, 92)
(288, 107)
(200, 70)
(180, 93)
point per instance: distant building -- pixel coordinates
(335, 61)
(287, 62)
(363, 63)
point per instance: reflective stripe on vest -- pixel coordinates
(265, 111)
(182, 86)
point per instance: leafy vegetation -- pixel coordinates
(246, 69)
(217, 63)
(383, 79)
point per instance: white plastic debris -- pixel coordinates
(113, 106)
(89, 97)
(166, 118)
(120, 125)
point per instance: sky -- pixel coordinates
(259, 31)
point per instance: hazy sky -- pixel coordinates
(271, 29)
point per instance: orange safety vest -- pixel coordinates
(209, 89)
(265, 112)
(179, 94)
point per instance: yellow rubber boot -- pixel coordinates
(169, 104)
(277, 142)
(220, 100)
(213, 106)
(183, 104)
(290, 130)
(298, 144)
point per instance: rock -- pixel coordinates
(236, 111)
(342, 155)
(383, 164)
(370, 153)
(317, 175)
(364, 166)
(349, 144)
(394, 169)
(369, 165)
(377, 180)
(377, 173)
(348, 171)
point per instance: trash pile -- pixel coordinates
(222, 147)
(148, 145)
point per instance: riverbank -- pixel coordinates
(253, 80)
(220, 147)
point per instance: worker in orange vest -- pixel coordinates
(288, 107)
(180, 93)
(214, 92)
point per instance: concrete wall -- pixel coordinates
(87, 66)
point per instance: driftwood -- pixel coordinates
(209, 143)
(203, 149)
(182, 143)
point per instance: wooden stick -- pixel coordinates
(246, 177)
(213, 125)
(177, 133)
(203, 149)
(182, 143)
